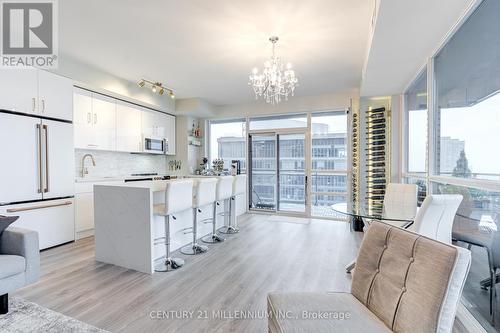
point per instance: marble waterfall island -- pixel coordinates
(126, 228)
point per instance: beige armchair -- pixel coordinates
(403, 282)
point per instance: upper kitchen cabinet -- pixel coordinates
(104, 120)
(95, 120)
(55, 96)
(153, 124)
(159, 125)
(128, 127)
(34, 91)
(82, 119)
(19, 90)
(170, 134)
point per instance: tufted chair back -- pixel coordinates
(411, 282)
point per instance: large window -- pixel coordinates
(463, 156)
(227, 141)
(467, 72)
(416, 125)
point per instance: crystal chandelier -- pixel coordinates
(274, 82)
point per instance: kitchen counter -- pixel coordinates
(125, 227)
(91, 179)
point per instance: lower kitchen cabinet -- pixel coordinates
(84, 213)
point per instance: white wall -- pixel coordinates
(188, 154)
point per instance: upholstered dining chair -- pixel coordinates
(403, 282)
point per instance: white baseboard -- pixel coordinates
(84, 234)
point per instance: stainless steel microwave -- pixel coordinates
(155, 146)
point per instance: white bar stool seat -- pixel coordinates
(177, 199)
(224, 191)
(204, 194)
(239, 187)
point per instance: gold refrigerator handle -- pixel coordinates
(39, 139)
(46, 129)
(22, 209)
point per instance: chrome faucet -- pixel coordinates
(85, 171)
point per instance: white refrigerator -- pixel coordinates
(37, 175)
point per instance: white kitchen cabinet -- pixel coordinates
(128, 127)
(19, 90)
(84, 212)
(55, 96)
(153, 124)
(35, 91)
(94, 120)
(84, 135)
(104, 121)
(170, 134)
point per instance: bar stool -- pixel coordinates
(239, 187)
(204, 194)
(224, 191)
(178, 196)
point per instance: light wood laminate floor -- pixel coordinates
(269, 254)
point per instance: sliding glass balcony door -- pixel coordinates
(292, 177)
(298, 164)
(278, 172)
(263, 171)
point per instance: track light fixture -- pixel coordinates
(156, 87)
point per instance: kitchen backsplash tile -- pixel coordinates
(117, 164)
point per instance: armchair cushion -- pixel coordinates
(11, 265)
(320, 313)
(24, 243)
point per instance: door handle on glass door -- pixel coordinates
(95, 118)
(33, 104)
(43, 106)
(46, 129)
(40, 180)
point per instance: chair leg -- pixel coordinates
(494, 307)
(4, 304)
(492, 280)
(230, 228)
(214, 237)
(169, 263)
(194, 248)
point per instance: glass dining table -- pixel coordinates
(360, 214)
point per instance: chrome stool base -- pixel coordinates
(212, 239)
(169, 264)
(194, 249)
(229, 230)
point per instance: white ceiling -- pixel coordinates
(406, 33)
(206, 48)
